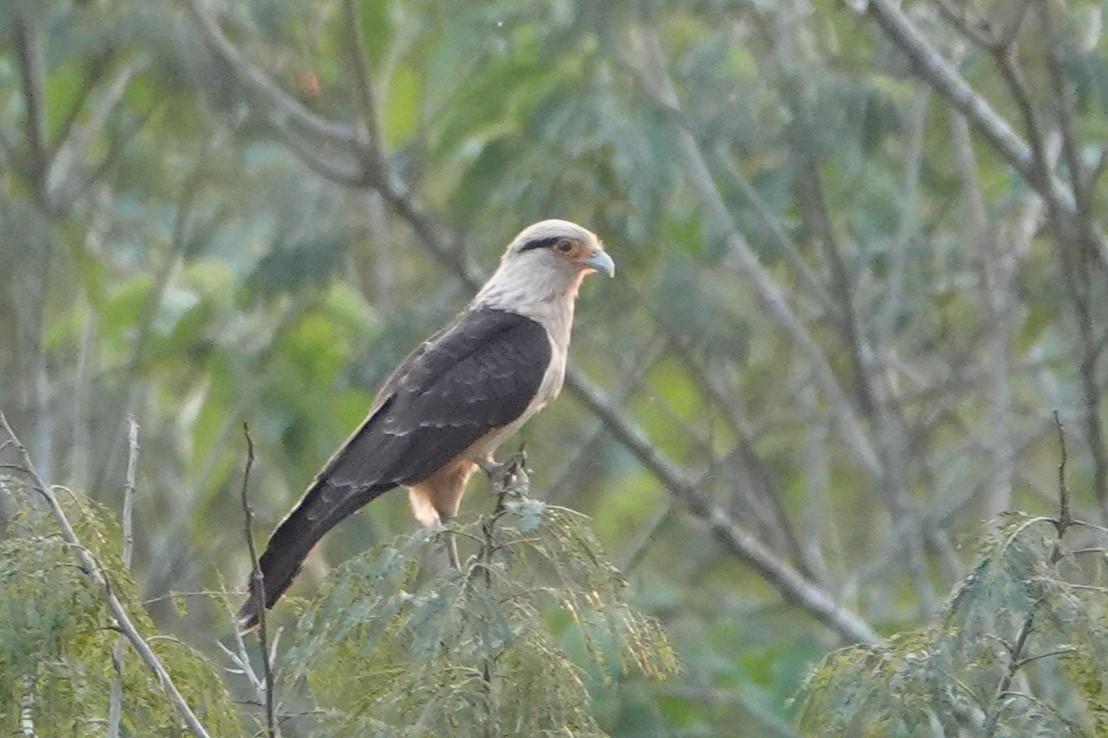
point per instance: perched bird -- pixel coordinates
(452, 401)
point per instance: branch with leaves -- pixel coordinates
(92, 569)
(1018, 650)
(398, 645)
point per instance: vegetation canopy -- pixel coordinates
(863, 253)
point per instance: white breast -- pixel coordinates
(549, 388)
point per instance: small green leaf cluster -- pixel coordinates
(392, 649)
(1021, 649)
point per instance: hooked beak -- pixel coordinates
(601, 262)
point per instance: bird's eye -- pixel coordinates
(563, 246)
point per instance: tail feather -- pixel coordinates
(323, 506)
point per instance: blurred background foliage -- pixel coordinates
(846, 301)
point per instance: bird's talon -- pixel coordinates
(508, 478)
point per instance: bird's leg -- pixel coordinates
(508, 478)
(449, 542)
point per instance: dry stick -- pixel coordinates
(119, 612)
(115, 705)
(258, 582)
(1065, 517)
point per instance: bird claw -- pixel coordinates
(508, 478)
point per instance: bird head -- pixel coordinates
(560, 246)
(545, 262)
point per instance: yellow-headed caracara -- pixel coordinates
(452, 401)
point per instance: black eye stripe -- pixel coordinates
(541, 243)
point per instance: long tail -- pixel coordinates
(323, 506)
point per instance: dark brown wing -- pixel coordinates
(479, 373)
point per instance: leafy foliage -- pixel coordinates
(841, 311)
(1019, 650)
(57, 638)
(392, 650)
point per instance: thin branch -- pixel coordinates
(115, 704)
(945, 79)
(1064, 104)
(119, 611)
(74, 150)
(938, 72)
(367, 101)
(1017, 87)
(908, 224)
(794, 587)
(767, 486)
(244, 666)
(810, 194)
(27, 708)
(971, 30)
(179, 242)
(261, 88)
(31, 77)
(1015, 660)
(1065, 517)
(129, 493)
(770, 222)
(576, 465)
(345, 175)
(257, 580)
(1056, 652)
(94, 72)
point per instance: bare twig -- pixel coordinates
(129, 493)
(1065, 517)
(119, 611)
(245, 667)
(257, 580)
(115, 705)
